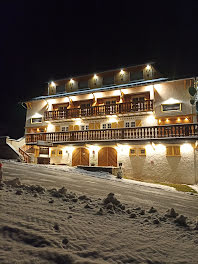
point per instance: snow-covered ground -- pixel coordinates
(41, 225)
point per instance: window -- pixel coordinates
(36, 120)
(82, 127)
(64, 129)
(132, 152)
(53, 153)
(171, 107)
(60, 152)
(173, 151)
(142, 152)
(87, 127)
(104, 126)
(130, 124)
(110, 102)
(108, 125)
(127, 124)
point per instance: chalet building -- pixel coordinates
(133, 117)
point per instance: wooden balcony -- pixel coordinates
(100, 110)
(179, 131)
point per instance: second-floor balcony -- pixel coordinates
(179, 131)
(100, 110)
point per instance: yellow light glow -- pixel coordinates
(148, 67)
(53, 84)
(93, 148)
(37, 130)
(71, 81)
(116, 93)
(186, 119)
(150, 120)
(167, 120)
(77, 121)
(121, 72)
(186, 148)
(171, 101)
(50, 128)
(160, 148)
(95, 76)
(160, 120)
(178, 119)
(123, 148)
(36, 115)
(149, 149)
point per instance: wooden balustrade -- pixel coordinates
(100, 110)
(26, 156)
(135, 133)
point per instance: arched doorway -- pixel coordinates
(107, 156)
(80, 156)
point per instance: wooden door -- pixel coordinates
(80, 156)
(107, 156)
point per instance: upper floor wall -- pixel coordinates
(104, 79)
(170, 99)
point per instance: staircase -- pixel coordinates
(15, 149)
(24, 152)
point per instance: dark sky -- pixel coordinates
(45, 40)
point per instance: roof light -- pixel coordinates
(53, 84)
(148, 67)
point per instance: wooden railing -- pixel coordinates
(26, 156)
(100, 110)
(135, 133)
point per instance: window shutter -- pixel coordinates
(138, 123)
(91, 125)
(120, 124)
(57, 128)
(176, 150)
(97, 125)
(76, 127)
(71, 127)
(169, 151)
(114, 125)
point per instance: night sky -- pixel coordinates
(47, 40)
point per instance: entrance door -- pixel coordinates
(80, 156)
(107, 157)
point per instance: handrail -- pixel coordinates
(151, 132)
(26, 156)
(99, 110)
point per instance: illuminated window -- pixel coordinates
(53, 153)
(127, 124)
(173, 151)
(64, 129)
(60, 152)
(142, 152)
(36, 120)
(132, 152)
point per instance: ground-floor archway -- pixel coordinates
(107, 156)
(80, 156)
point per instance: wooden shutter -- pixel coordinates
(76, 127)
(176, 150)
(169, 151)
(120, 124)
(138, 123)
(57, 128)
(71, 127)
(91, 125)
(114, 125)
(97, 125)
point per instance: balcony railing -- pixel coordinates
(116, 134)
(100, 110)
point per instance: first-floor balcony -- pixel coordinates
(179, 131)
(100, 110)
